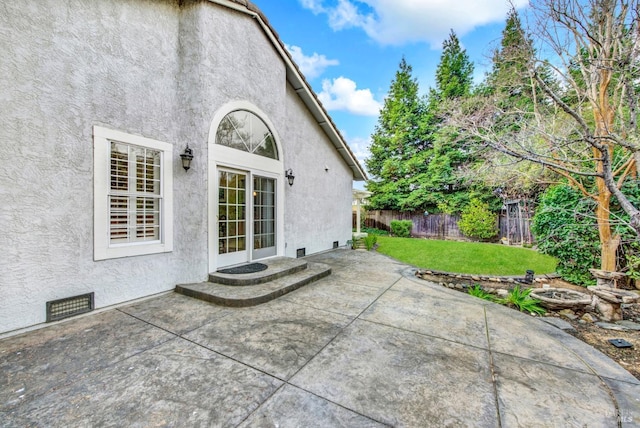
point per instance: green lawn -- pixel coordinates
(466, 257)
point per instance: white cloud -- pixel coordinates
(396, 22)
(342, 94)
(311, 66)
(360, 148)
(313, 5)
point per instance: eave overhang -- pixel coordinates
(300, 85)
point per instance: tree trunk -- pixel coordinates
(608, 241)
(604, 117)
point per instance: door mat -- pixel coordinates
(249, 268)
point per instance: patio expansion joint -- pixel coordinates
(591, 371)
(343, 328)
(604, 384)
(200, 345)
(286, 382)
(74, 380)
(494, 376)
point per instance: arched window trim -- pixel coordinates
(253, 143)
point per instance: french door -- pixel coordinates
(264, 217)
(246, 225)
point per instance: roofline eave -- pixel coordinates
(301, 86)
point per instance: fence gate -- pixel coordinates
(518, 213)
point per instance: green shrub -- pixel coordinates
(370, 241)
(477, 221)
(633, 266)
(401, 228)
(565, 228)
(374, 231)
(477, 291)
(521, 300)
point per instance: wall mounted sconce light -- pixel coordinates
(187, 157)
(290, 177)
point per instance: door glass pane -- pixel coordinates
(231, 212)
(263, 213)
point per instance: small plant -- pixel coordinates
(370, 241)
(520, 299)
(477, 291)
(633, 266)
(401, 228)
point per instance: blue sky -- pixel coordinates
(349, 50)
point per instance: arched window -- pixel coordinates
(243, 130)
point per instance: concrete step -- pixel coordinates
(277, 267)
(359, 245)
(243, 296)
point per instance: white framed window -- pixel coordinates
(133, 204)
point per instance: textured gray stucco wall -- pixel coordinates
(152, 68)
(66, 66)
(318, 206)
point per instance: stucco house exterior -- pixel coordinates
(100, 98)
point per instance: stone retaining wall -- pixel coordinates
(490, 283)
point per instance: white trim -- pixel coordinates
(226, 157)
(102, 249)
(242, 105)
(265, 253)
(237, 257)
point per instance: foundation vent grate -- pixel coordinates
(69, 306)
(301, 252)
(335, 244)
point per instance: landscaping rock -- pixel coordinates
(588, 317)
(502, 293)
(559, 323)
(568, 313)
(608, 311)
(629, 324)
(611, 326)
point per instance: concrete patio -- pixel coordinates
(369, 345)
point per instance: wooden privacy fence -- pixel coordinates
(442, 226)
(445, 226)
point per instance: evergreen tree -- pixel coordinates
(454, 75)
(508, 77)
(510, 82)
(440, 186)
(517, 96)
(398, 137)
